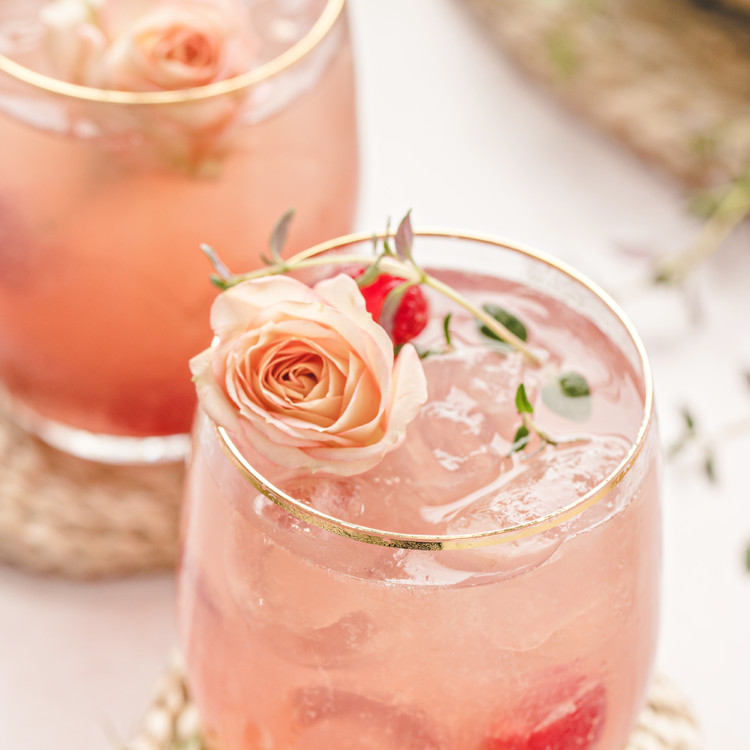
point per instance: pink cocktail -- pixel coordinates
(105, 198)
(467, 593)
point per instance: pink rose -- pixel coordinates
(307, 376)
(141, 45)
(153, 46)
(174, 44)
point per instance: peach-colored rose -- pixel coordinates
(306, 375)
(152, 46)
(142, 45)
(175, 44)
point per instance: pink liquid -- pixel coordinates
(104, 293)
(298, 638)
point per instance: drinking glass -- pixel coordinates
(106, 197)
(458, 595)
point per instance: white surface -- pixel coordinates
(452, 130)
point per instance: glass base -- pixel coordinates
(110, 449)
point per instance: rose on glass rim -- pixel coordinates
(306, 376)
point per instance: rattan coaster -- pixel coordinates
(172, 722)
(63, 515)
(670, 78)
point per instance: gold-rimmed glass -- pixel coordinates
(106, 196)
(337, 632)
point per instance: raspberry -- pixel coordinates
(413, 311)
(572, 722)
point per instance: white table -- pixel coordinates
(451, 129)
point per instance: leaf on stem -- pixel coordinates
(279, 236)
(569, 396)
(404, 238)
(522, 401)
(520, 439)
(223, 274)
(447, 330)
(388, 311)
(370, 275)
(510, 321)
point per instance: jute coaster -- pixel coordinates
(670, 78)
(63, 515)
(172, 722)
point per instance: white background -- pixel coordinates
(451, 129)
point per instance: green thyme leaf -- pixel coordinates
(279, 235)
(689, 420)
(369, 276)
(521, 439)
(447, 329)
(522, 401)
(386, 242)
(404, 238)
(390, 306)
(218, 282)
(574, 385)
(709, 466)
(569, 396)
(511, 322)
(222, 270)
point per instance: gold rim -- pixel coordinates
(483, 538)
(318, 32)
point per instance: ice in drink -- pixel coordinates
(540, 635)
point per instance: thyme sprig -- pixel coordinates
(529, 427)
(728, 212)
(705, 444)
(395, 258)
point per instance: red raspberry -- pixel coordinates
(413, 311)
(573, 722)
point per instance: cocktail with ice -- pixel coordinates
(490, 584)
(111, 178)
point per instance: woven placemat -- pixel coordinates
(172, 722)
(670, 78)
(62, 515)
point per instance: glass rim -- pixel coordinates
(479, 539)
(290, 57)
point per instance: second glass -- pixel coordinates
(105, 198)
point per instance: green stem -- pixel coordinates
(727, 216)
(388, 264)
(532, 426)
(395, 267)
(495, 326)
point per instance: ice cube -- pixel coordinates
(541, 484)
(327, 718)
(460, 439)
(291, 596)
